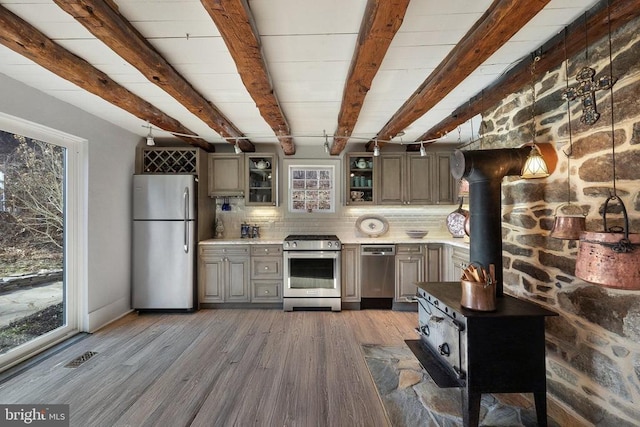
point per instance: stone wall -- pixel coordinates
(593, 346)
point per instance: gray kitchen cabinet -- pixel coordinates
(446, 188)
(410, 260)
(458, 260)
(411, 179)
(262, 179)
(350, 273)
(360, 179)
(420, 187)
(389, 183)
(434, 266)
(224, 273)
(226, 175)
(266, 273)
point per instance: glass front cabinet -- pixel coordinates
(262, 179)
(360, 179)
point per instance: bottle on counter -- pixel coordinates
(219, 228)
(245, 231)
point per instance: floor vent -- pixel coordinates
(80, 359)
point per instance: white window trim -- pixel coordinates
(75, 233)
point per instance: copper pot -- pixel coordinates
(479, 296)
(570, 224)
(610, 258)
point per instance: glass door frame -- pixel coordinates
(75, 236)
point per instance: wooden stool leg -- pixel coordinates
(470, 408)
(540, 399)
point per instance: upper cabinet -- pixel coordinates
(226, 175)
(360, 179)
(408, 178)
(447, 187)
(262, 179)
(252, 176)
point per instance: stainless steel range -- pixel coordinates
(312, 272)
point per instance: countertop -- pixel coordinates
(391, 239)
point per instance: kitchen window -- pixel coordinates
(312, 188)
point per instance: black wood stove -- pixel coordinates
(502, 351)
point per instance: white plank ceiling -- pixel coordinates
(308, 46)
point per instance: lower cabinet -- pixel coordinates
(434, 271)
(224, 274)
(266, 273)
(459, 260)
(350, 273)
(409, 271)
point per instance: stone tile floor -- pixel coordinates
(412, 399)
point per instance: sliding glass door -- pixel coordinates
(38, 241)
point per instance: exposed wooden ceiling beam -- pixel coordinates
(496, 26)
(106, 23)
(21, 37)
(551, 55)
(381, 21)
(237, 28)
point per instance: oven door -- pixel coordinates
(310, 274)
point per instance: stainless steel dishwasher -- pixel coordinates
(377, 275)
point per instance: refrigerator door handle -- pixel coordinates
(185, 197)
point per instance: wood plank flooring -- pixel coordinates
(220, 368)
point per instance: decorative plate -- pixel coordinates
(455, 224)
(372, 225)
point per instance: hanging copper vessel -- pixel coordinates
(570, 223)
(610, 258)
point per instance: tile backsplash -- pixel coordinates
(275, 222)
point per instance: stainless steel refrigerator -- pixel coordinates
(164, 231)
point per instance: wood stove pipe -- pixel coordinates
(484, 169)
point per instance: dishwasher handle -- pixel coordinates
(377, 250)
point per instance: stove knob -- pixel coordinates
(294, 244)
(329, 244)
(425, 330)
(444, 349)
(286, 244)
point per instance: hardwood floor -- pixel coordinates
(219, 368)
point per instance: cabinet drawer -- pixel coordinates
(266, 250)
(408, 249)
(266, 291)
(217, 250)
(266, 267)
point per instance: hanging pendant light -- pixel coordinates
(150, 141)
(423, 151)
(326, 142)
(236, 148)
(376, 149)
(534, 166)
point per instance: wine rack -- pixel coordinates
(174, 160)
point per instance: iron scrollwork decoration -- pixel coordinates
(586, 90)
